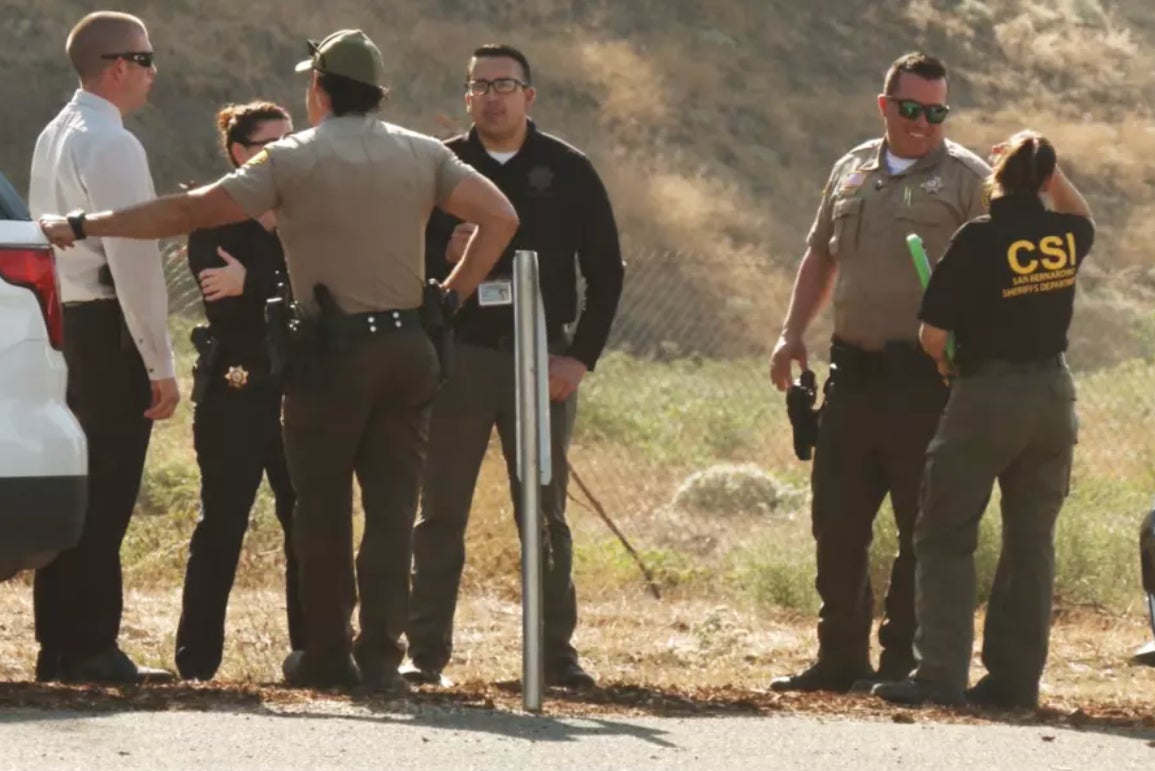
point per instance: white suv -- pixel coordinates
(43, 453)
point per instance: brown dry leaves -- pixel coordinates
(681, 657)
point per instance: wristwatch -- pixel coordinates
(76, 220)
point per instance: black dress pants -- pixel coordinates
(237, 434)
(78, 597)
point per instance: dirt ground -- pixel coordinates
(674, 657)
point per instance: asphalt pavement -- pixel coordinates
(323, 735)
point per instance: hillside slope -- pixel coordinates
(714, 123)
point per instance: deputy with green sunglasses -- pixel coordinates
(884, 396)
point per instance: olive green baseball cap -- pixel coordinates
(348, 53)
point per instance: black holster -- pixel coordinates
(209, 352)
(278, 313)
(437, 321)
(800, 398)
(294, 342)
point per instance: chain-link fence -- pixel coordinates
(679, 431)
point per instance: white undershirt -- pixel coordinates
(501, 157)
(898, 165)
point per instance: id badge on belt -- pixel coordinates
(495, 292)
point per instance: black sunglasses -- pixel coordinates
(499, 85)
(143, 58)
(910, 109)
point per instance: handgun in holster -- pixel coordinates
(437, 309)
(800, 398)
(293, 340)
(209, 350)
(278, 321)
(335, 336)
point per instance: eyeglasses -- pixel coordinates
(499, 86)
(143, 58)
(260, 142)
(910, 110)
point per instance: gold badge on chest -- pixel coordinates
(932, 185)
(237, 377)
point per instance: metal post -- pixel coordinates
(531, 368)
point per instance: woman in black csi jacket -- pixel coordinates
(1006, 289)
(237, 417)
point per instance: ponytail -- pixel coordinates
(1028, 162)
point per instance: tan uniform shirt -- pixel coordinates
(862, 224)
(352, 197)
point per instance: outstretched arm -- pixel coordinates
(172, 215)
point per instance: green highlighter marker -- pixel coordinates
(922, 267)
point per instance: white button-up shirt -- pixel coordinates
(86, 159)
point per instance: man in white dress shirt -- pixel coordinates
(116, 343)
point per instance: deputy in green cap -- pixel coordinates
(352, 197)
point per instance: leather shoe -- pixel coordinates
(416, 675)
(569, 674)
(304, 671)
(989, 692)
(822, 676)
(112, 666)
(913, 692)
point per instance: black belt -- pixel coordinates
(897, 357)
(361, 325)
(1007, 367)
(97, 303)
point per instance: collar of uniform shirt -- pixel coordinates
(98, 104)
(475, 140)
(930, 159)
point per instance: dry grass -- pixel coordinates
(678, 656)
(714, 130)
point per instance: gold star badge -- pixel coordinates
(237, 377)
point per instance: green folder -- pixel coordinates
(922, 267)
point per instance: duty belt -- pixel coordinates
(897, 358)
(349, 328)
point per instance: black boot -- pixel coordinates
(112, 666)
(569, 674)
(913, 692)
(990, 692)
(303, 671)
(823, 676)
